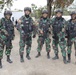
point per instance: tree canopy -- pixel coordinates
(58, 4)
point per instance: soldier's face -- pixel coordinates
(74, 16)
(45, 15)
(8, 16)
(27, 12)
(58, 14)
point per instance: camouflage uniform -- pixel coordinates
(59, 36)
(7, 25)
(44, 25)
(26, 30)
(71, 37)
(3, 37)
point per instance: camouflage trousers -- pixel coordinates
(7, 50)
(26, 40)
(62, 45)
(1, 50)
(47, 42)
(9, 47)
(69, 45)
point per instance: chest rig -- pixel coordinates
(57, 25)
(8, 25)
(71, 29)
(44, 25)
(27, 25)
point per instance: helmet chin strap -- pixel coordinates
(59, 17)
(27, 15)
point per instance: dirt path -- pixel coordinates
(40, 66)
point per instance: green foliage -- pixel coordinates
(5, 2)
(36, 12)
(1, 2)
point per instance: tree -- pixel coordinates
(34, 9)
(57, 4)
(49, 6)
(8, 3)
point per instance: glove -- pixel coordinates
(34, 36)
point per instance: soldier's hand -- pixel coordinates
(41, 31)
(63, 30)
(19, 21)
(13, 37)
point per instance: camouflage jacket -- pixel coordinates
(27, 25)
(9, 27)
(44, 26)
(58, 25)
(71, 29)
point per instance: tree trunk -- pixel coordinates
(49, 7)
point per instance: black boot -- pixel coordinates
(28, 57)
(0, 64)
(69, 58)
(38, 55)
(64, 60)
(21, 58)
(8, 59)
(48, 55)
(56, 57)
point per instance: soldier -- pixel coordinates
(58, 23)
(7, 24)
(3, 37)
(43, 37)
(71, 34)
(26, 29)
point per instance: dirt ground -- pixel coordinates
(36, 66)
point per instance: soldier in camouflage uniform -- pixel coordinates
(43, 31)
(7, 24)
(58, 23)
(26, 28)
(71, 34)
(3, 37)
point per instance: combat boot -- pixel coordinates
(28, 57)
(21, 58)
(64, 60)
(8, 59)
(48, 55)
(0, 64)
(69, 58)
(38, 55)
(56, 57)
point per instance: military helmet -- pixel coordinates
(73, 12)
(45, 11)
(59, 10)
(27, 9)
(7, 12)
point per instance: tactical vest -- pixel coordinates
(71, 30)
(57, 25)
(8, 26)
(45, 25)
(28, 25)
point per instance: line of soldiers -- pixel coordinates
(63, 33)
